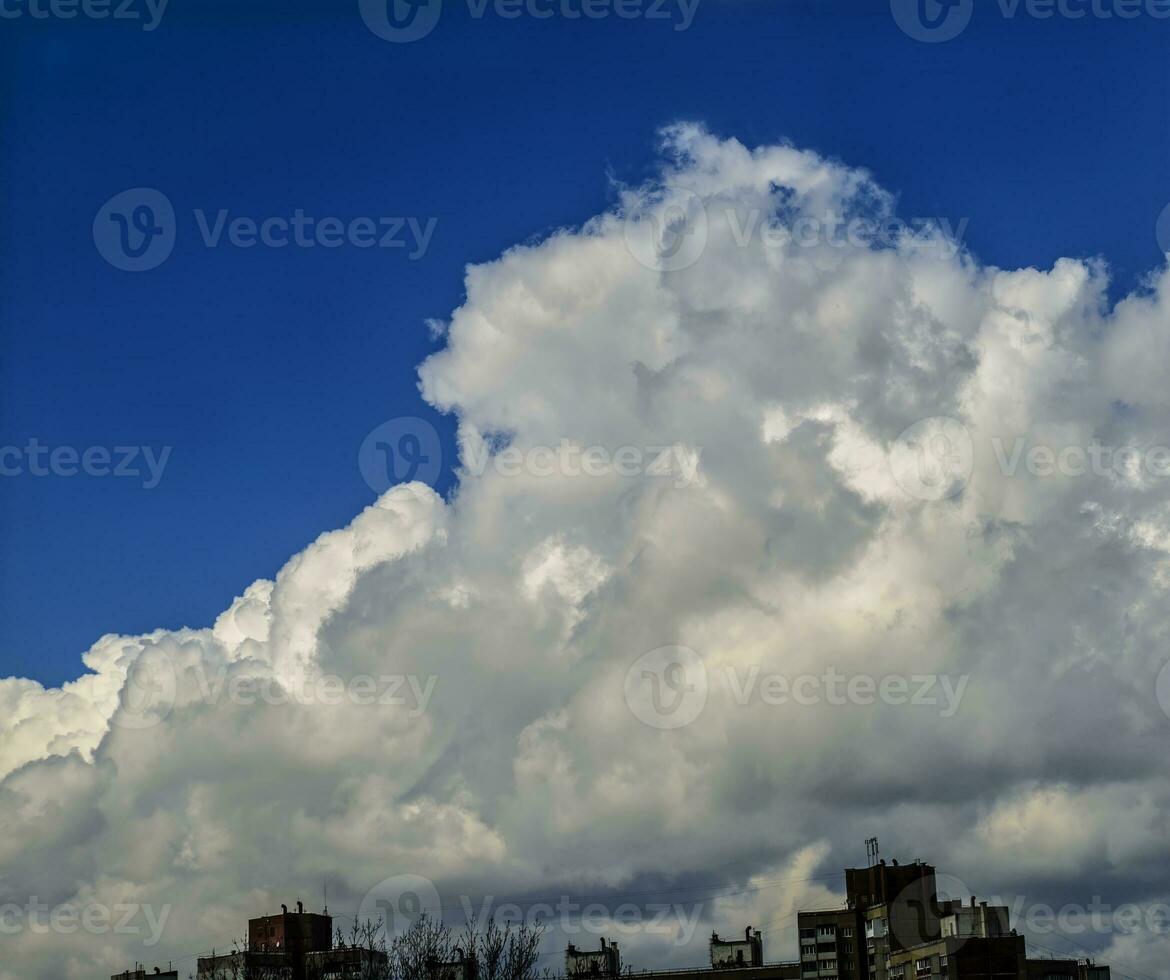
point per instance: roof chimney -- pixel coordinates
(284, 909)
(300, 908)
(748, 934)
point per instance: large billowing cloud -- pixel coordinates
(848, 481)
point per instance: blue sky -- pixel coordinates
(264, 368)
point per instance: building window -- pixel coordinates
(808, 934)
(847, 931)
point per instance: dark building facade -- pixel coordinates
(296, 932)
(731, 953)
(290, 946)
(830, 944)
(603, 962)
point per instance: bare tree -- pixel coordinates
(505, 953)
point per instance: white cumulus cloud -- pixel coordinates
(438, 688)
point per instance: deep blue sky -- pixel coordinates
(265, 368)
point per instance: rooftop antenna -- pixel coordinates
(325, 886)
(871, 850)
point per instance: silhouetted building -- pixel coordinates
(731, 959)
(729, 953)
(463, 967)
(954, 958)
(290, 946)
(830, 943)
(603, 962)
(1058, 969)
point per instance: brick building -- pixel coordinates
(290, 946)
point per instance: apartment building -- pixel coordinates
(603, 962)
(830, 944)
(727, 953)
(955, 958)
(290, 946)
(730, 959)
(896, 926)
